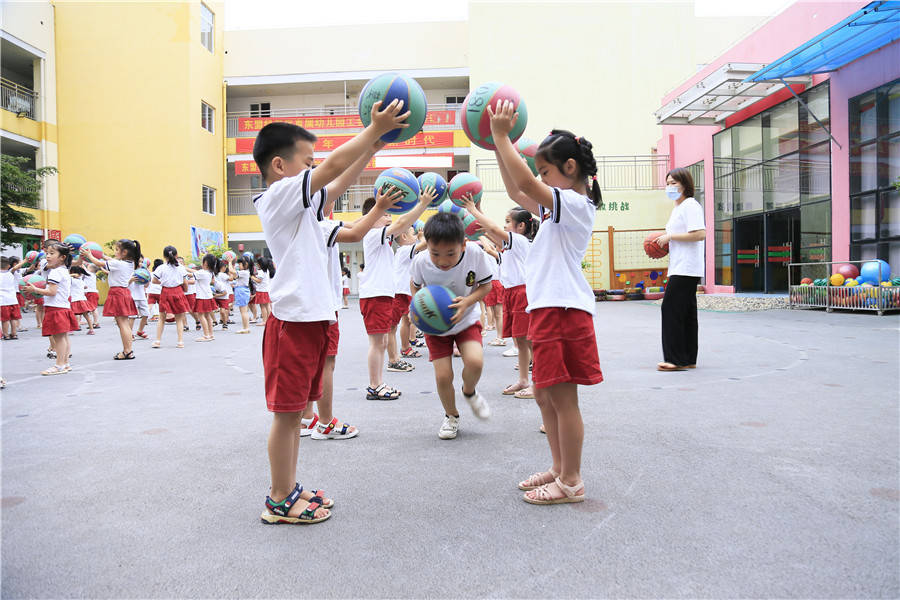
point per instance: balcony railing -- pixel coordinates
(17, 98)
(614, 173)
(240, 201)
(231, 119)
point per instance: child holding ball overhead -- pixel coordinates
(560, 301)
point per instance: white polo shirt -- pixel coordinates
(403, 268)
(138, 290)
(329, 234)
(8, 289)
(203, 279)
(59, 276)
(263, 285)
(553, 276)
(170, 275)
(515, 252)
(120, 272)
(90, 282)
(686, 258)
(76, 289)
(290, 218)
(377, 279)
(471, 271)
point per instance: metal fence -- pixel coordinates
(614, 173)
(17, 98)
(240, 201)
(874, 298)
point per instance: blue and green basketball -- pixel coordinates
(462, 184)
(447, 206)
(472, 227)
(418, 226)
(476, 121)
(386, 88)
(142, 275)
(403, 180)
(430, 309)
(75, 240)
(438, 183)
(528, 150)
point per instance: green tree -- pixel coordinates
(19, 188)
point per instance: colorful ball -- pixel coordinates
(37, 281)
(465, 183)
(806, 281)
(31, 256)
(75, 240)
(476, 121)
(836, 279)
(438, 183)
(447, 206)
(851, 283)
(388, 87)
(403, 180)
(95, 249)
(651, 248)
(848, 271)
(142, 275)
(228, 256)
(430, 309)
(40, 255)
(874, 272)
(419, 225)
(528, 150)
(145, 262)
(248, 255)
(472, 228)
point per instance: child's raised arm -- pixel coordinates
(492, 229)
(406, 221)
(357, 230)
(346, 179)
(524, 182)
(87, 254)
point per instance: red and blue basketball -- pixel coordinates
(528, 150)
(37, 281)
(389, 87)
(228, 256)
(476, 121)
(40, 255)
(472, 227)
(142, 275)
(75, 240)
(145, 262)
(430, 309)
(462, 184)
(31, 256)
(438, 183)
(447, 206)
(95, 249)
(404, 181)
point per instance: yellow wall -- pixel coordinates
(133, 155)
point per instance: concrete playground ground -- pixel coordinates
(770, 471)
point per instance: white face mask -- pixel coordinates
(672, 192)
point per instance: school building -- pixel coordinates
(150, 110)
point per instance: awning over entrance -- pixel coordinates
(865, 31)
(719, 95)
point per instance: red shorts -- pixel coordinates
(401, 307)
(262, 298)
(346, 291)
(441, 346)
(39, 301)
(152, 298)
(495, 296)
(205, 305)
(173, 301)
(80, 307)
(565, 347)
(377, 314)
(515, 319)
(93, 299)
(192, 300)
(223, 302)
(58, 320)
(334, 337)
(10, 313)
(20, 299)
(293, 359)
(119, 303)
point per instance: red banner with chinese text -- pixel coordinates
(438, 117)
(327, 143)
(248, 167)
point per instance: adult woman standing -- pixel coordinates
(684, 235)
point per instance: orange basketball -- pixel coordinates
(651, 248)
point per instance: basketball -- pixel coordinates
(848, 271)
(438, 183)
(430, 310)
(31, 256)
(94, 248)
(651, 248)
(476, 121)
(248, 255)
(228, 256)
(142, 275)
(462, 184)
(145, 262)
(403, 180)
(38, 282)
(447, 206)
(74, 240)
(472, 228)
(418, 226)
(389, 87)
(528, 150)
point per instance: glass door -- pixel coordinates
(782, 247)
(749, 265)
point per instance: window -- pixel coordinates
(455, 99)
(874, 167)
(209, 200)
(207, 117)
(263, 109)
(207, 27)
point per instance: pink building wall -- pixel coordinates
(688, 144)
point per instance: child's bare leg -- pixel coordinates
(498, 319)
(206, 324)
(124, 333)
(143, 324)
(160, 326)
(473, 363)
(90, 321)
(377, 346)
(570, 428)
(180, 323)
(548, 414)
(6, 327)
(60, 343)
(443, 377)
(393, 354)
(39, 315)
(404, 332)
(283, 446)
(13, 327)
(245, 318)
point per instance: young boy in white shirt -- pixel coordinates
(376, 289)
(463, 268)
(296, 335)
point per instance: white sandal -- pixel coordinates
(55, 370)
(534, 482)
(542, 494)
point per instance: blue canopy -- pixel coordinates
(865, 31)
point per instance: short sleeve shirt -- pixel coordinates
(59, 276)
(7, 289)
(402, 268)
(515, 252)
(169, 275)
(76, 291)
(330, 230)
(203, 278)
(120, 272)
(471, 271)
(138, 290)
(686, 258)
(378, 277)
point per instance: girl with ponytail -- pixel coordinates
(119, 303)
(560, 301)
(172, 300)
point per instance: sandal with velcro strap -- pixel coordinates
(382, 392)
(333, 431)
(276, 513)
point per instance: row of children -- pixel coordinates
(549, 305)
